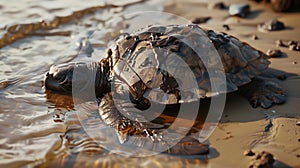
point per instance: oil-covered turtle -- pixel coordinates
(143, 66)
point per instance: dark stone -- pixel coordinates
(294, 47)
(226, 27)
(292, 43)
(271, 25)
(200, 20)
(249, 153)
(218, 5)
(254, 37)
(279, 43)
(274, 53)
(262, 160)
(240, 10)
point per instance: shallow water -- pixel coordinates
(39, 129)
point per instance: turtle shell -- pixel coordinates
(182, 63)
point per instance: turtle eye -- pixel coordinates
(59, 76)
(47, 74)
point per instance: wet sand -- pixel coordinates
(242, 127)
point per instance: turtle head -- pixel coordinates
(84, 78)
(59, 78)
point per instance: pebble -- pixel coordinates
(293, 47)
(279, 43)
(262, 159)
(274, 53)
(240, 10)
(292, 43)
(249, 153)
(200, 20)
(218, 5)
(294, 62)
(298, 123)
(271, 25)
(226, 27)
(254, 37)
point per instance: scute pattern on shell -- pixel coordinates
(153, 54)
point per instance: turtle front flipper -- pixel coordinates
(124, 126)
(144, 132)
(263, 93)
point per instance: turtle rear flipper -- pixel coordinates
(263, 93)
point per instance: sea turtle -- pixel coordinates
(137, 64)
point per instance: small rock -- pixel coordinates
(274, 53)
(298, 123)
(294, 62)
(271, 25)
(293, 47)
(281, 77)
(239, 10)
(262, 159)
(249, 153)
(218, 5)
(279, 43)
(254, 37)
(292, 43)
(226, 27)
(200, 20)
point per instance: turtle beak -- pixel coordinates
(59, 78)
(51, 84)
